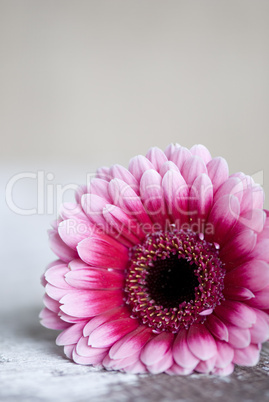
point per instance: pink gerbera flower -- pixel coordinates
(163, 267)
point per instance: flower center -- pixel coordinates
(174, 279)
(171, 281)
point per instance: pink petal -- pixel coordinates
(72, 231)
(181, 352)
(123, 225)
(68, 350)
(51, 320)
(152, 197)
(55, 276)
(225, 354)
(162, 365)
(232, 186)
(136, 368)
(79, 193)
(207, 311)
(206, 366)
(169, 165)
(90, 303)
(176, 194)
(95, 279)
(265, 315)
(103, 251)
(192, 168)
(261, 300)
(246, 180)
(110, 315)
(253, 275)
(138, 165)
(70, 210)
(93, 360)
(253, 198)
(253, 219)
(255, 222)
(201, 342)
(83, 348)
(217, 327)
(218, 172)
(103, 173)
(77, 264)
(248, 356)
(93, 206)
(57, 293)
(258, 196)
(64, 252)
(125, 198)
(236, 313)
(130, 343)
(52, 264)
(109, 333)
(70, 335)
(261, 250)
(264, 234)
(222, 218)
(43, 280)
(157, 157)
(201, 198)
(177, 370)
(179, 156)
(120, 364)
(239, 247)
(202, 151)
(108, 363)
(99, 187)
(225, 371)
(51, 304)
(238, 337)
(260, 331)
(237, 293)
(156, 348)
(120, 172)
(170, 149)
(70, 319)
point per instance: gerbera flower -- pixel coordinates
(163, 267)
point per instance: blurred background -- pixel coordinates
(89, 83)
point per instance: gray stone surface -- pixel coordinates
(33, 368)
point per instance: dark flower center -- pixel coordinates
(174, 279)
(171, 281)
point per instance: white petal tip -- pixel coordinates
(207, 312)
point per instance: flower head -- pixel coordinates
(163, 267)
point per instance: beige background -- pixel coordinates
(88, 83)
